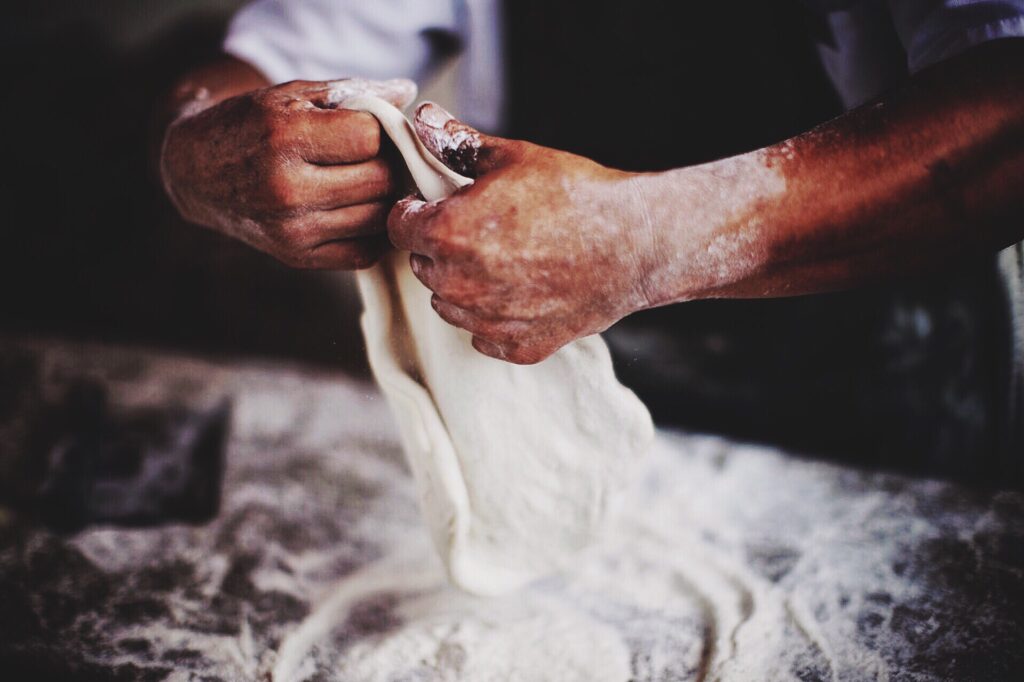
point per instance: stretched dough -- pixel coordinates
(515, 465)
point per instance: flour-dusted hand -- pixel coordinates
(544, 248)
(284, 170)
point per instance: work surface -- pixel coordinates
(725, 561)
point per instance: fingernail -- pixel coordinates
(433, 115)
(417, 263)
(488, 348)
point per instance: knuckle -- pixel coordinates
(276, 141)
(279, 132)
(368, 138)
(290, 228)
(380, 173)
(363, 133)
(459, 237)
(281, 188)
(445, 241)
(265, 109)
(291, 257)
(288, 234)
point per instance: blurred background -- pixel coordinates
(95, 251)
(907, 376)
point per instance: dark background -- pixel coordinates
(92, 248)
(908, 375)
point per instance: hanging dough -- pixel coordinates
(516, 465)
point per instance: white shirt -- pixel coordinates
(326, 39)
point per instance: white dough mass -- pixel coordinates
(515, 465)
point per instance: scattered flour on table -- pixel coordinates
(726, 562)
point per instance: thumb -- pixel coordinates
(462, 148)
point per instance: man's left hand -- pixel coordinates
(544, 248)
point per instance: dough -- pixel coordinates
(515, 465)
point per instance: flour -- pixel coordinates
(718, 241)
(727, 562)
(400, 90)
(675, 591)
(450, 635)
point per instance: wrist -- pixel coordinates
(644, 242)
(666, 240)
(195, 92)
(709, 227)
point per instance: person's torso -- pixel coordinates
(654, 84)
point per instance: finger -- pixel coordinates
(456, 316)
(326, 187)
(361, 220)
(410, 223)
(304, 187)
(516, 353)
(500, 340)
(489, 349)
(459, 146)
(318, 227)
(344, 254)
(335, 136)
(495, 339)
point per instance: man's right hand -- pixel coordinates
(287, 172)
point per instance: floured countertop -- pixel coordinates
(725, 562)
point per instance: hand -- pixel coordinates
(285, 171)
(545, 247)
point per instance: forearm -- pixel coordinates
(199, 89)
(932, 172)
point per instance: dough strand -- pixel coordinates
(516, 466)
